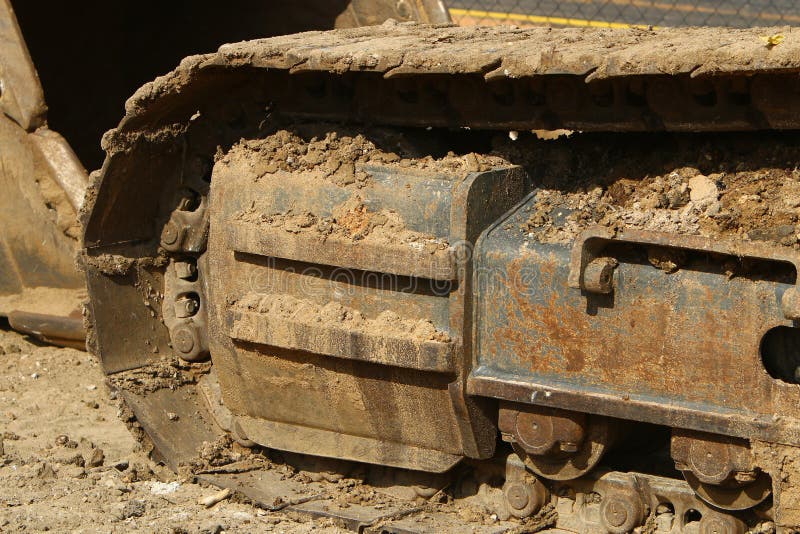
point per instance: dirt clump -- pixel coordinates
(165, 373)
(351, 220)
(344, 158)
(716, 186)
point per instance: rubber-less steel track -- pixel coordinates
(396, 76)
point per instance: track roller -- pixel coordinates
(556, 444)
(720, 469)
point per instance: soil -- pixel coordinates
(736, 187)
(351, 220)
(322, 153)
(69, 464)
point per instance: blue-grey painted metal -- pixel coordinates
(680, 349)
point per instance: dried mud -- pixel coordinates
(166, 373)
(743, 187)
(338, 154)
(351, 220)
(387, 323)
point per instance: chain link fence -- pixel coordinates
(627, 13)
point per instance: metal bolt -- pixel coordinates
(186, 307)
(185, 270)
(517, 496)
(183, 340)
(615, 514)
(745, 477)
(598, 275)
(621, 512)
(169, 236)
(721, 525)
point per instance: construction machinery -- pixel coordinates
(514, 279)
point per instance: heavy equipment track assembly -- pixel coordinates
(348, 245)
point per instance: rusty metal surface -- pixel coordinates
(675, 349)
(53, 329)
(369, 393)
(556, 444)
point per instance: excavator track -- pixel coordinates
(219, 154)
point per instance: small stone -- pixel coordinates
(13, 349)
(45, 471)
(133, 508)
(172, 416)
(95, 458)
(72, 471)
(121, 466)
(62, 440)
(211, 529)
(701, 189)
(164, 488)
(68, 457)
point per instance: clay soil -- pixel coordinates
(69, 464)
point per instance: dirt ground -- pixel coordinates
(69, 464)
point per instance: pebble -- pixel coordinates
(133, 508)
(68, 457)
(164, 488)
(701, 188)
(95, 458)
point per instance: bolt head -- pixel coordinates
(720, 525)
(183, 340)
(517, 496)
(615, 513)
(621, 513)
(185, 270)
(169, 236)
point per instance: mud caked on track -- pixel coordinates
(239, 187)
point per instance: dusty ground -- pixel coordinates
(69, 464)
